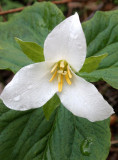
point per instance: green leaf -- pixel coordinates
(4, 64)
(92, 63)
(32, 24)
(102, 37)
(50, 106)
(109, 75)
(32, 50)
(29, 136)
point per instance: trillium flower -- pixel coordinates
(35, 84)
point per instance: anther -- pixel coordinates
(55, 66)
(53, 76)
(67, 79)
(68, 71)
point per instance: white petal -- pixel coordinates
(30, 87)
(84, 100)
(67, 41)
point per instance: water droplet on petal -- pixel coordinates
(73, 35)
(29, 66)
(17, 98)
(86, 146)
(79, 45)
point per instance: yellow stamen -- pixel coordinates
(61, 68)
(60, 84)
(59, 78)
(62, 64)
(62, 79)
(68, 71)
(53, 76)
(55, 66)
(67, 79)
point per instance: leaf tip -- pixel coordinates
(18, 40)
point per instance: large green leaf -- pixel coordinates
(102, 37)
(29, 136)
(31, 25)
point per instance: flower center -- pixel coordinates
(61, 69)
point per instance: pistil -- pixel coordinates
(60, 84)
(62, 64)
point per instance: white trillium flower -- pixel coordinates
(35, 84)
